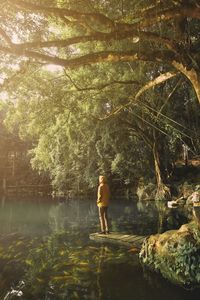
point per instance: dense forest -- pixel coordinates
(104, 90)
(102, 87)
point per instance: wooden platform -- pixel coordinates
(128, 240)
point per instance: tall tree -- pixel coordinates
(165, 32)
(111, 54)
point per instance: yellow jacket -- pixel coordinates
(103, 195)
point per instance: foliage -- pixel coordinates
(100, 86)
(14, 161)
(176, 257)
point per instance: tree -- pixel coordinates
(14, 161)
(169, 29)
(119, 51)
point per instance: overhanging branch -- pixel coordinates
(100, 87)
(99, 36)
(93, 58)
(158, 80)
(148, 18)
(5, 37)
(157, 16)
(63, 12)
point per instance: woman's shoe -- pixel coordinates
(102, 232)
(107, 232)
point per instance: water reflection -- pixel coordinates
(128, 217)
(72, 214)
(41, 216)
(166, 218)
(170, 218)
(3, 199)
(45, 243)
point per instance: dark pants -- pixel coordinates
(103, 216)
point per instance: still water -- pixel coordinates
(46, 254)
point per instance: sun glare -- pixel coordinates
(53, 68)
(4, 96)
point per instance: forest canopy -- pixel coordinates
(102, 86)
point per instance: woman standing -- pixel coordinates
(103, 197)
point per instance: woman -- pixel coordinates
(103, 197)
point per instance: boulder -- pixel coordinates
(175, 254)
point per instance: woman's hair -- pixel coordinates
(102, 178)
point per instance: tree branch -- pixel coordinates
(118, 31)
(161, 78)
(63, 12)
(191, 74)
(155, 17)
(98, 57)
(147, 19)
(5, 37)
(169, 96)
(99, 36)
(101, 87)
(158, 80)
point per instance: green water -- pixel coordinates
(45, 243)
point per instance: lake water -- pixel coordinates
(45, 252)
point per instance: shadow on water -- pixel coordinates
(44, 244)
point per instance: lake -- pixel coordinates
(45, 251)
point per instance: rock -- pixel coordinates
(146, 192)
(186, 189)
(172, 204)
(176, 203)
(175, 254)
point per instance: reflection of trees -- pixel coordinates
(99, 272)
(169, 218)
(57, 217)
(3, 199)
(158, 211)
(147, 207)
(148, 214)
(92, 215)
(162, 214)
(72, 214)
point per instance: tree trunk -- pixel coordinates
(163, 192)
(192, 75)
(157, 165)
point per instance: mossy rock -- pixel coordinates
(175, 254)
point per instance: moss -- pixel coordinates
(175, 254)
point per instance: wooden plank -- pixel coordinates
(118, 238)
(131, 238)
(139, 242)
(135, 239)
